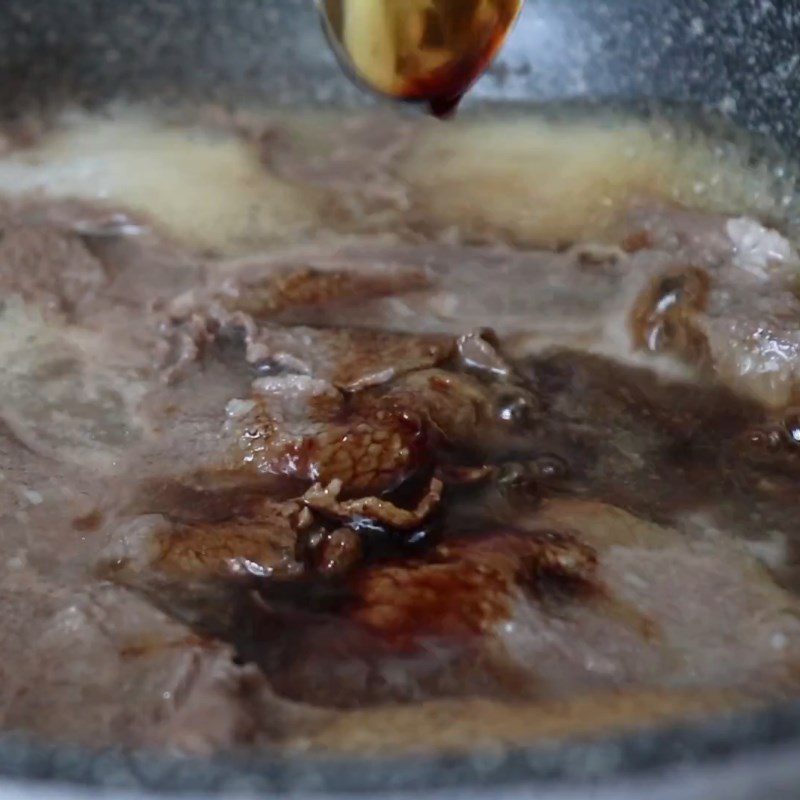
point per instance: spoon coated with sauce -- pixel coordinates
(424, 51)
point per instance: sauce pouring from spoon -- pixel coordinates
(421, 51)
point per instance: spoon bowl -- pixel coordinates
(425, 51)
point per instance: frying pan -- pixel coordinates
(737, 59)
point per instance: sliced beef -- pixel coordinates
(590, 598)
(279, 286)
(358, 172)
(54, 269)
(465, 288)
(376, 474)
(741, 329)
(731, 310)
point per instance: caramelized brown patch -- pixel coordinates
(373, 440)
(467, 586)
(225, 548)
(662, 318)
(460, 408)
(88, 523)
(147, 646)
(374, 357)
(308, 288)
(636, 241)
(193, 534)
(367, 452)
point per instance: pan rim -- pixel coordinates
(635, 754)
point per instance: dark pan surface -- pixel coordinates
(739, 58)
(716, 744)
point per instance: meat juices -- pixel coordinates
(330, 492)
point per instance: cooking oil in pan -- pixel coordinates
(506, 178)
